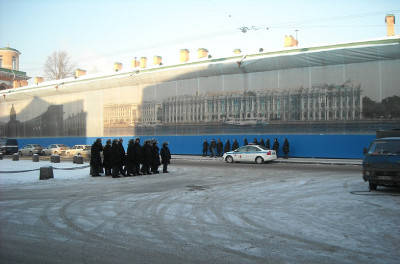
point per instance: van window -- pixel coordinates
(12, 142)
(383, 147)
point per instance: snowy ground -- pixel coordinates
(200, 212)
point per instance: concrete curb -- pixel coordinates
(347, 162)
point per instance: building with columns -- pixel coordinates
(10, 75)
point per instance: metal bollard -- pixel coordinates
(55, 158)
(15, 157)
(46, 173)
(35, 158)
(78, 159)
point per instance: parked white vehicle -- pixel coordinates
(30, 149)
(250, 153)
(81, 150)
(55, 149)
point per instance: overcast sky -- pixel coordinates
(98, 33)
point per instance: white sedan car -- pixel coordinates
(30, 149)
(81, 150)
(250, 153)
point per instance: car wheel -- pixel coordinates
(30, 153)
(259, 160)
(20, 153)
(229, 159)
(372, 186)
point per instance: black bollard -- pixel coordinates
(46, 173)
(55, 158)
(35, 158)
(15, 157)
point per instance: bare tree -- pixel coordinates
(58, 66)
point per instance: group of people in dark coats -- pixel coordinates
(137, 160)
(215, 147)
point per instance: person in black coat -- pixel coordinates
(121, 152)
(107, 157)
(115, 159)
(276, 146)
(267, 144)
(285, 148)
(205, 148)
(213, 145)
(261, 143)
(255, 142)
(137, 156)
(95, 158)
(147, 157)
(130, 158)
(220, 147)
(245, 142)
(165, 156)
(235, 144)
(155, 163)
(227, 147)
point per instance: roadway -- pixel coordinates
(204, 211)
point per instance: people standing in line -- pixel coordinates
(130, 159)
(95, 158)
(262, 143)
(107, 157)
(227, 147)
(245, 142)
(235, 144)
(121, 151)
(213, 145)
(147, 157)
(155, 157)
(137, 157)
(285, 148)
(205, 148)
(165, 156)
(267, 144)
(115, 159)
(220, 147)
(255, 142)
(276, 146)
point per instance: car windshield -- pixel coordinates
(384, 147)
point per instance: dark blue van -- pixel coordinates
(381, 164)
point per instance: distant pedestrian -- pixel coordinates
(235, 144)
(255, 142)
(227, 147)
(107, 157)
(205, 148)
(130, 159)
(267, 144)
(137, 157)
(95, 158)
(165, 156)
(115, 159)
(212, 147)
(220, 147)
(276, 146)
(155, 163)
(245, 142)
(285, 148)
(147, 157)
(261, 143)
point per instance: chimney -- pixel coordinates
(237, 51)
(38, 80)
(117, 66)
(135, 63)
(143, 62)
(79, 72)
(202, 53)
(290, 41)
(157, 60)
(184, 55)
(389, 19)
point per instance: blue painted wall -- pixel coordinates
(311, 146)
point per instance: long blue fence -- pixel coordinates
(311, 146)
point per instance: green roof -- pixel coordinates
(11, 49)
